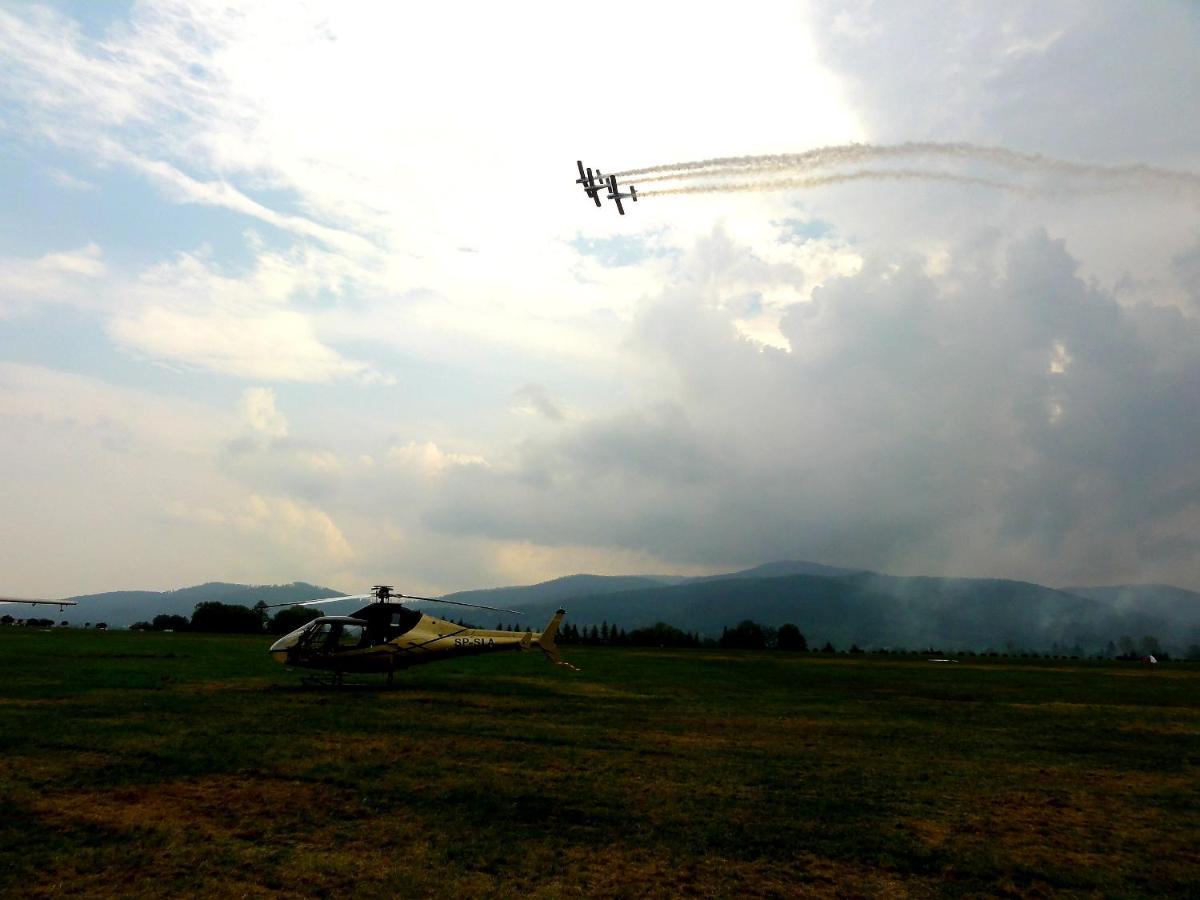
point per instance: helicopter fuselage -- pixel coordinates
(384, 637)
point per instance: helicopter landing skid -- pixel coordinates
(324, 680)
(337, 681)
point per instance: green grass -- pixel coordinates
(161, 764)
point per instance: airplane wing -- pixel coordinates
(614, 194)
(588, 181)
(38, 602)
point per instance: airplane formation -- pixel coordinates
(594, 182)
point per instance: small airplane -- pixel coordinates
(61, 604)
(385, 636)
(589, 181)
(616, 195)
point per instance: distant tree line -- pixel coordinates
(751, 635)
(163, 623)
(28, 623)
(212, 617)
(229, 618)
(660, 634)
(34, 622)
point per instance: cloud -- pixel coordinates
(68, 181)
(190, 312)
(217, 105)
(279, 527)
(278, 346)
(521, 562)
(1185, 267)
(86, 262)
(430, 460)
(534, 400)
(1037, 77)
(92, 466)
(1022, 74)
(259, 412)
(622, 250)
(999, 418)
(64, 276)
(44, 399)
(905, 375)
(295, 526)
(295, 468)
(219, 193)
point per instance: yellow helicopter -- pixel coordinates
(385, 636)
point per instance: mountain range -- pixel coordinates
(874, 610)
(121, 609)
(843, 606)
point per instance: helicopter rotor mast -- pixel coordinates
(383, 593)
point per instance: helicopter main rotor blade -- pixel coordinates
(318, 600)
(38, 602)
(393, 598)
(516, 612)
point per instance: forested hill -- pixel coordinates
(1161, 600)
(121, 608)
(841, 606)
(573, 586)
(873, 610)
(787, 567)
(561, 589)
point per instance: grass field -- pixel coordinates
(167, 764)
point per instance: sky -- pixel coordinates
(313, 296)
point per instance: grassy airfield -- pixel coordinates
(161, 764)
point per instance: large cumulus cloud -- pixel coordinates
(1095, 78)
(1092, 80)
(993, 414)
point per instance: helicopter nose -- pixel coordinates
(279, 649)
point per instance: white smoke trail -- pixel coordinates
(1134, 174)
(767, 183)
(797, 160)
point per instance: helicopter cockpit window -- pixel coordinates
(331, 637)
(402, 620)
(318, 636)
